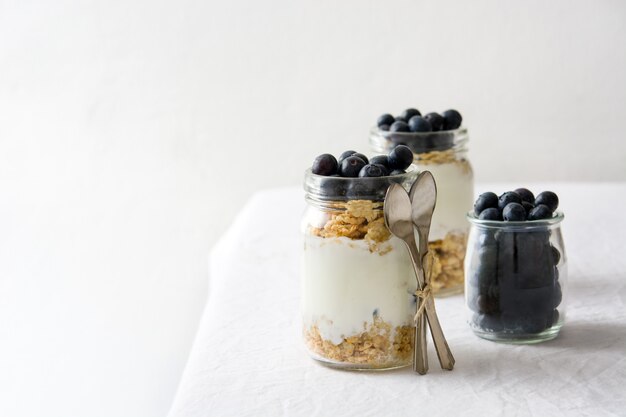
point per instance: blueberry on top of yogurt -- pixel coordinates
(325, 164)
(451, 119)
(352, 164)
(411, 120)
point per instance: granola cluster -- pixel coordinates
(443, 157)
(447, 259)
(357, 219)
(379, 345)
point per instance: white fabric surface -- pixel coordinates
(248, 358)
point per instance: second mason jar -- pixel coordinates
(445, 155)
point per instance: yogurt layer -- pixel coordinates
(345, 285)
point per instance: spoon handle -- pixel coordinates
(446, 360)
(420, 355)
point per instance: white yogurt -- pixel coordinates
(345, 286)
(455, 196)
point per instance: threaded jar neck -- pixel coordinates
(322, 191)
(454, 141)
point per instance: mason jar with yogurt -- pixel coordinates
(444, 153)
(358, 284)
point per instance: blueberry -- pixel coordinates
(385, 119)
(485, 201)
(511, 322)
(380, 160)
(399, 126)
(397, 172)
(548, 198)
(383, 168)
(361, 189)
(556, 255)
(553, 318)
(488, 254)
(525, 194)
(435, 120)
(419, 124)
(325, 164)
(333, 188)
(363, 157)
(557, 295)
(514, 212)
(528, 207)
(540, 212)
(486, 237)
(451, 119)
(489, 322)
(351, 166)
(384, 128)
(508, 197)
(534, 259)
(534, 323)
(400, 157)
(507, 260)
(344, 155)
(370, 170)
(408, 113)
(485, 273)
(491, 213)
(472, 296)
(487, 304)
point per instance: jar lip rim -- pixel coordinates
(323, 188)
(526, 224)
(376, 129)
(411, 170)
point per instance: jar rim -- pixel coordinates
(420, 142)
(459, 130)
(557, 218)
(371, 188)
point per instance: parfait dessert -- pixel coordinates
(357, 281)
(439, 145)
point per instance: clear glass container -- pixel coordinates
(444, 154)
(516, 279)
(358, 285)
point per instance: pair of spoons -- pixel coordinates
(404, 212)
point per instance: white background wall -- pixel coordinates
(131, 132)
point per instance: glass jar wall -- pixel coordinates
(444, 154)
(516, 276)
(357, 298)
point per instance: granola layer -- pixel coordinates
(356, 219)
(379, 345)
(443, 157)
(448, 255)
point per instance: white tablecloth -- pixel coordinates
(248, 358)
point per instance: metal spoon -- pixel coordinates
(397, 211)
(423, 197)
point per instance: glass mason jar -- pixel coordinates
(445, 155)
(357, 299)
(516, 276)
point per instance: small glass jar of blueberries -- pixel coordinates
(439, 145)
(515, 267)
